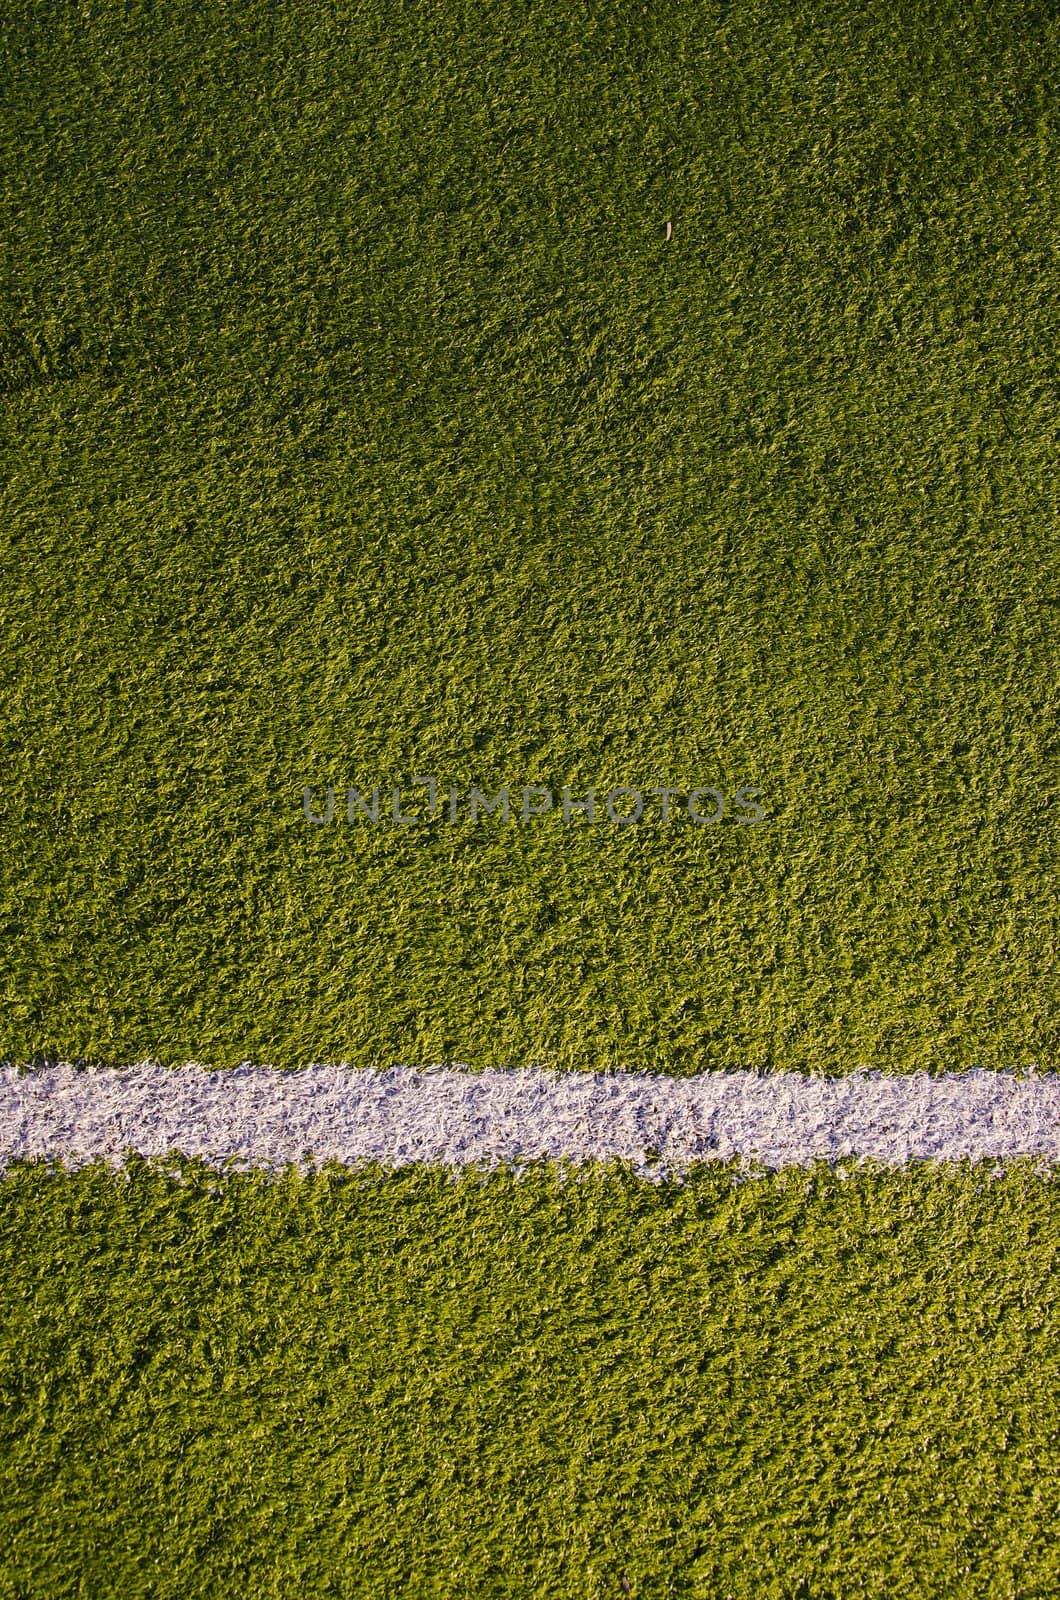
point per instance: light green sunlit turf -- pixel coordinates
(361, 422)
(815, 1386)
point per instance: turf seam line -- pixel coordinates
(255, 1117)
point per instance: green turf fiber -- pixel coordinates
(359, 421)
(815, 1386)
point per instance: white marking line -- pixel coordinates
(258, 1117)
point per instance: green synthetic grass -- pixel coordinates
(814, 1386)
(360, 422)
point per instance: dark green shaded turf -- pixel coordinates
(360, 422)
(805, 1386)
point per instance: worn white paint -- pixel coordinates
(258, 1117)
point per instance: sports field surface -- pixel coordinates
(529, 545)
(256, 1118)
(362, 423)
(804, 1385)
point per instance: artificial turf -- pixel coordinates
(812, 1386)
(360, 421)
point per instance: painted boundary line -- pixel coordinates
(261, 1118)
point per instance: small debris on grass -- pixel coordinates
(669, 229)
